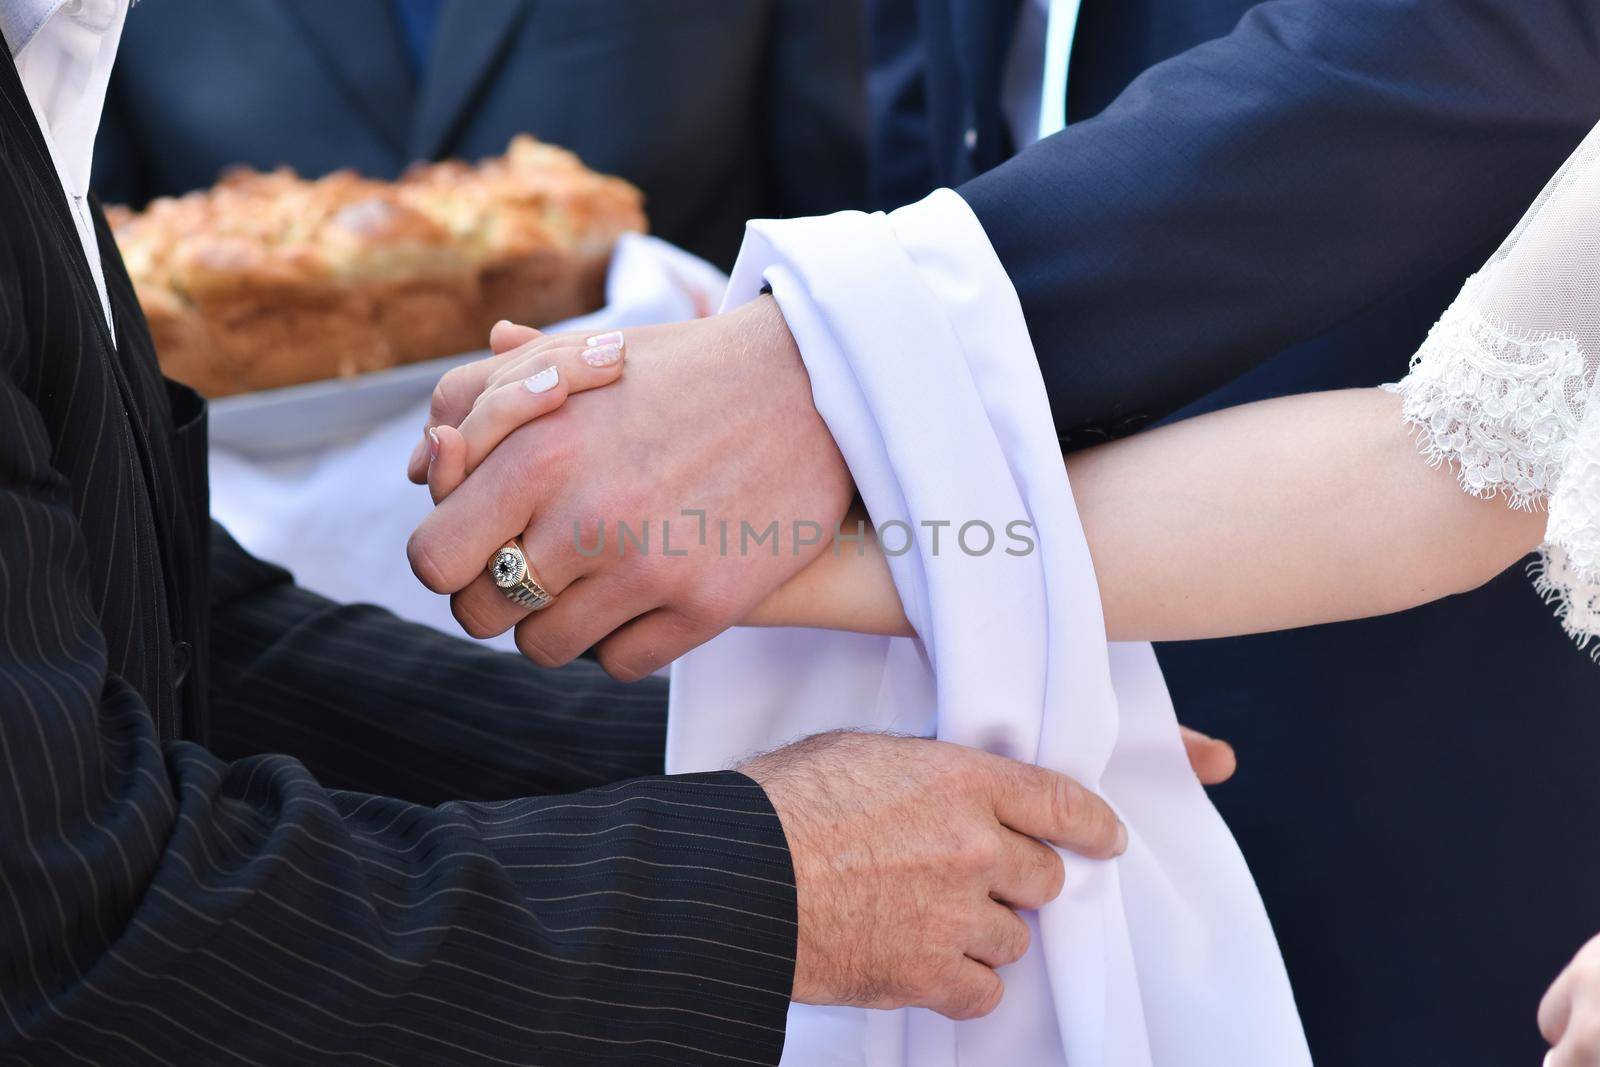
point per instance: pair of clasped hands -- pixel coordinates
(910, 855)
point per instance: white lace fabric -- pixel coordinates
(1503, 389)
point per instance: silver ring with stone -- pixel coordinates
(511, 572)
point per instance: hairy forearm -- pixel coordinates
(1277, 514)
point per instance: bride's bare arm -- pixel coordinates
(1272, 515)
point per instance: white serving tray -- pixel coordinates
(301, 418)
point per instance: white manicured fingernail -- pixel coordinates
(542, 382)
(612, 337)
(603, 355)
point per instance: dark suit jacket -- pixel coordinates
(1277, 198)
(720, 110)
(166, 902)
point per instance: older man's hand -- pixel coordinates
(909, 857)
(713, 418)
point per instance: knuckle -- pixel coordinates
(953, 770)
(535, 450)
(990, 1000)
(978, 999)
(1066, 801)
(438, 401)
(1018, 938)
(533, 643)
(931, 984)
(1054, 875)
(709, 605)
(979, 849)
(623, 666)
(422, 552)
(1548, 1015)
(447, 392)
(475, 617)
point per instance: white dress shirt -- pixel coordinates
(64, 50)
(921, 365)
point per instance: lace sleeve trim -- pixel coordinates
(1505, 408)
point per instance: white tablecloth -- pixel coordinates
(313, 477)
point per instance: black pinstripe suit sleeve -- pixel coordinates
(159, 904)
(370, 702)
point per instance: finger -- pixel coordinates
(973, 990)
(453, 543)
(648, 643)
(1213, 761)
(1044, 804)
(417, 464)
(1580, 1041)
(588, 610)
(599, 351)
(1556, 1007)
(550, 379)
(1001, 937)
(507, 407)
(448, 465)
(506, 335)
(459, 388)
(452, 398)
(484, 610)
(1030, 874)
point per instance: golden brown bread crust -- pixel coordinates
(268, 279)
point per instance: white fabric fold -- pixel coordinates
(921, 364)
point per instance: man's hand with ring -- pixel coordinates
(714, 419)
(910, 857)
(517, 357)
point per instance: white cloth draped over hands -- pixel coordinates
(921, 365)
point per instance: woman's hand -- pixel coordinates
(1569, 1015)
(530, 374)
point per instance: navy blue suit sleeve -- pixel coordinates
(1260, 188)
